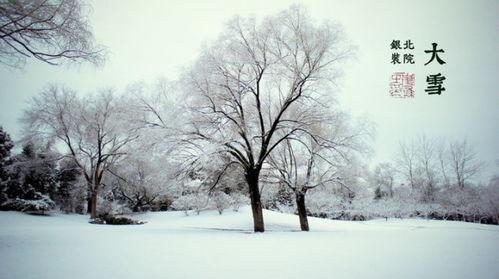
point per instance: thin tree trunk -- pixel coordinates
(89, 197)
(256, 204)
(93, 200)
(461, 183)
(302, 211)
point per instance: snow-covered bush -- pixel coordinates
(183, 203)
(162, 203)
(192, 201)
(221, 201)
(114, 220)
(40, 206)
(278, 197)
(238, 200)
(140, 178)
(268, 195)
(111, 207)
(489, 201)
(32, 171)
(324, 204)
(471, 203)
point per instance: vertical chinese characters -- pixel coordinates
(435, 81)
(407, 58)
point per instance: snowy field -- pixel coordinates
(172, 245)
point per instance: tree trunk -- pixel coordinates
(302, 211)
(93, 207)
(256, 203)
(89, 203)
(89, 197)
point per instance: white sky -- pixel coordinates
(149, 39)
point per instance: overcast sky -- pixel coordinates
(149, 39)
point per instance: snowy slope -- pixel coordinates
(172, 245)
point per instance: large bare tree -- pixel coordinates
(95, 130)
(260, 84)
(48, 30)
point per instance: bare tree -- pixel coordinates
(464, 161)
(442, 153)
(135, 182)
(417, 162)
(47, 30)
(95, 131)
(383, 179)
(143, 178)
(258, 85)
(426, 162)
(289, 166)
(407, 162)
(312, 161)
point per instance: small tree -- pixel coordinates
(95, 131)
(407, 162)
(308, 163)
(427, 163)
(464, 162)
(6, 145)
(37, 167)
(221, 201)
(197, 201)
(32, 180)
(71, 192)
(383, 179)
(139, 182)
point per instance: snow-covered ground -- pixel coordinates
(172, 245)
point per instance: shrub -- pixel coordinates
(221, 201)
(40, 206)
(114, 220)
(191, 201)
